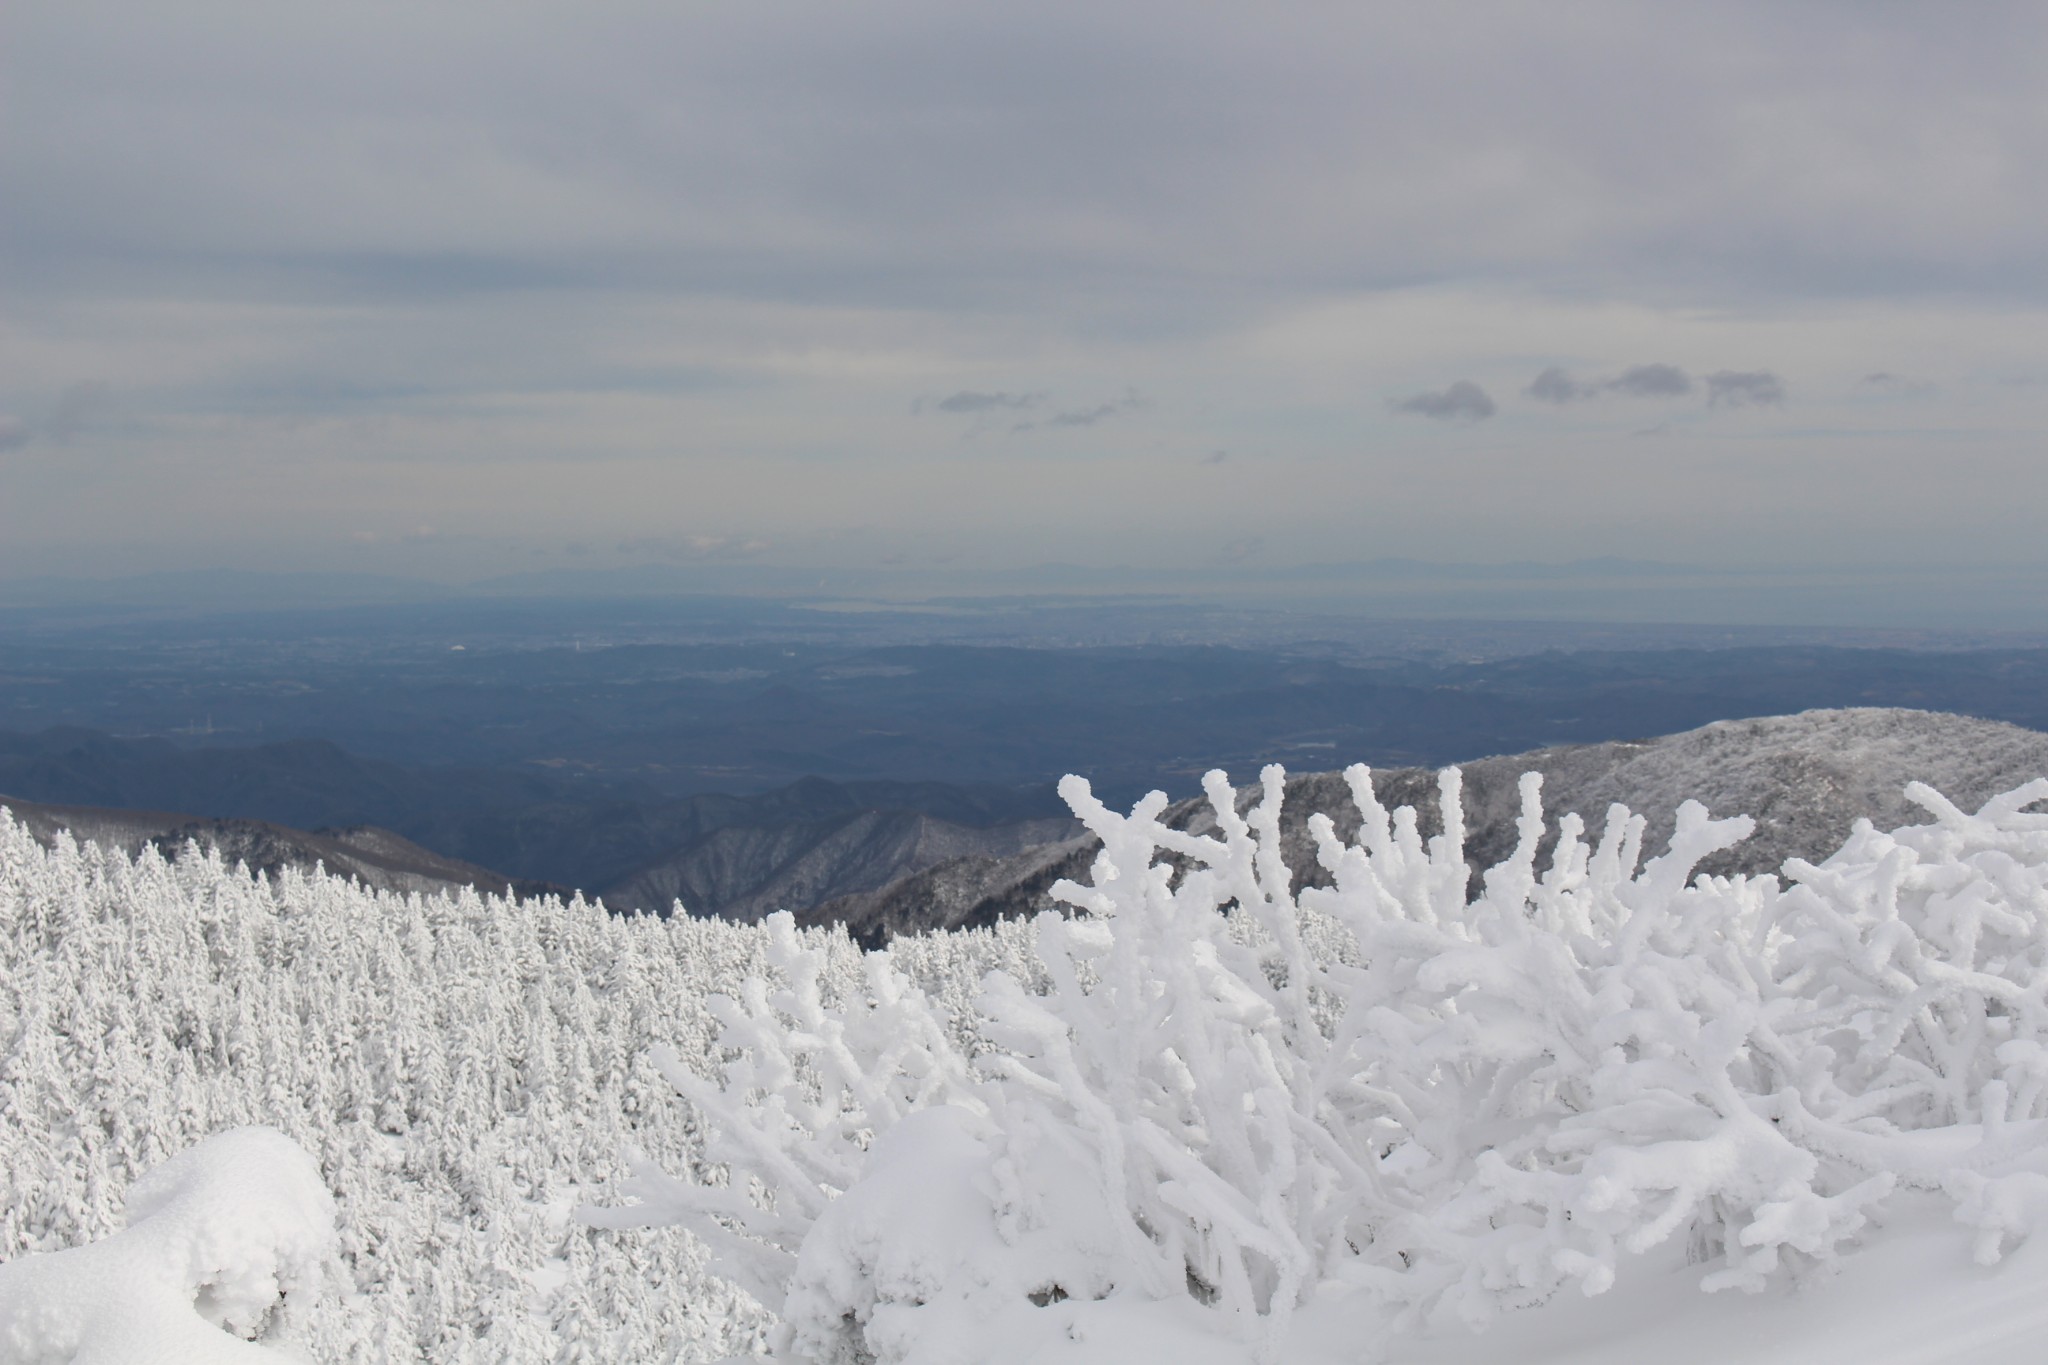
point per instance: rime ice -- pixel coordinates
(1395, 1091)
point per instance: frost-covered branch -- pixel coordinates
(1209, 1085)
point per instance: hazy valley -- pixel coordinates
(667, 755)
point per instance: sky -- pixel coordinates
(457, 288)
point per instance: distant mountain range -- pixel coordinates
(738, 856)
(745, 872)
(891, 858)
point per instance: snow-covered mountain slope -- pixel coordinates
(465, 1069)
(1804, 778)
(744, 872)
(378, 858)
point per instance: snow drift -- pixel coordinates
(221, 1239)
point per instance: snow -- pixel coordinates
(219, 1239)
(464, 1069)
(1590, 1102)
(1910, 1297)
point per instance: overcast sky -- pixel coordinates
(461, 287)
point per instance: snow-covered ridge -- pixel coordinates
(460, 1068)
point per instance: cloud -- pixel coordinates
(1087, 417)
(632, 144)
(1555, 385)
(973, 403)
(1886, 382)
(1463, 401)
(1215, 457)
(1744, 389)
(1651, 381)
(983, 407)
(76, 407)
(1241, 549)
(1725, 388)
(74, 410)
(1081, 417)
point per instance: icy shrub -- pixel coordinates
(220, 1239)
(1390, 1088)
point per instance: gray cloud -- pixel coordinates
(1883, 381)
(1463, 401)
(75, 408)
(1651, 381)
(1087, 417)
(1080, 417)
(1556, 385)
(1744, 388)
(983, 406)
(1215, 457)
(903, 157)
(970, 402)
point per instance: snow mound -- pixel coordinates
(220, 1239)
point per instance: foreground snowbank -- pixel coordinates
(1911, 1296)
(1390, 1104)
(221, 1239)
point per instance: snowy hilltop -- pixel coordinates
(1587, 1104)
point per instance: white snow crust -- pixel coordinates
(220, 1239)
